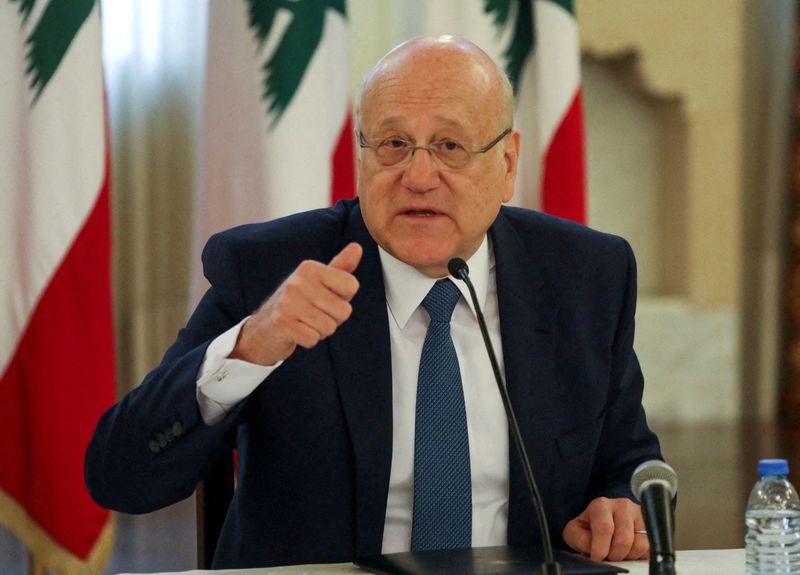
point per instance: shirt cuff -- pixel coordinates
(222, 382)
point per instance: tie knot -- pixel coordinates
(441, 301)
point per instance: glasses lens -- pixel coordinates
(392, 151)
(451, 153)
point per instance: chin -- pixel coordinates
(432, 264)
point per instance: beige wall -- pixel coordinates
(692, 51)
(687, 119)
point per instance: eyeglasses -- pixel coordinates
(453, 154)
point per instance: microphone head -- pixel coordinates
(654, 471)
(458, 268)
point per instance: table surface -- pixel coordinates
(696, 562)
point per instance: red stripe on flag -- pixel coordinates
(564, 179)
(343, 164)
(58, 383)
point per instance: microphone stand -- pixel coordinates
(458, 269)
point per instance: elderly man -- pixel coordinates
(355, 379)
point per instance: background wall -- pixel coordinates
(678, 125)
(663, 87)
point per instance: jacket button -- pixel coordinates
(154, 447)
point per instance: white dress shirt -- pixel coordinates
(223, 382)
(486, 421)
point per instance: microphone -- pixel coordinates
(655, 483)
(458, 269)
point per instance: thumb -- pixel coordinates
(348, 259)
(577, 534)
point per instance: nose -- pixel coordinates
(421, 174)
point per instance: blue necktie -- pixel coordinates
(442, 483)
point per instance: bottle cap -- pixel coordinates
(773, 467)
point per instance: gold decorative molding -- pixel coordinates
(693, 52)
(634, 75)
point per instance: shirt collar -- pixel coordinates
(406, 287)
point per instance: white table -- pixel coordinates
(712, 562)
(705, 562)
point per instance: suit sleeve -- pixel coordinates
(626, 440)
(152, 448)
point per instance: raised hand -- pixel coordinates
(305, 309)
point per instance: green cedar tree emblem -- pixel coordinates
(51, 38)
(285, 67)
(522, 38)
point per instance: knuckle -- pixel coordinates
(293, 288)
(352, 286)
(602, 502)
(344, 311)
(328, 327)
(308, 340)
(306, 267)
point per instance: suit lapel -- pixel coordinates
(527, 325)
(361, 356)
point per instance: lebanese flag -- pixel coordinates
(536, 41)
(552, 79)
(56, 341)
(277, 135)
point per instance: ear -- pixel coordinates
(511, 157)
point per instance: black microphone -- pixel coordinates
(458, 269)
(655, 483)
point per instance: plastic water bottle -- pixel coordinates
(772, 543)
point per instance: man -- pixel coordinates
(316, 366)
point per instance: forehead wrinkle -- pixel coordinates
(399, 122)
(448, 92)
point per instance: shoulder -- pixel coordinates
(557, 239)
(315, 234)
(587, 274)
(313, 226)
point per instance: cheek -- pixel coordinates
(375, 197)
(496, 187)
(481, 211)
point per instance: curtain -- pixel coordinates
(154, 57)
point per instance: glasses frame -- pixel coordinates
(411, 150)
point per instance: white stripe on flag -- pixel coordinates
(250, 168)
(51, 166)
(558, 66)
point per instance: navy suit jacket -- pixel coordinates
(315, 439)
